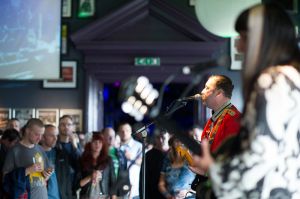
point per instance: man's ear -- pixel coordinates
(220, 92)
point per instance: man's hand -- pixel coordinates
(202, 163)
(47, 173)
(74, 139)
(197, 170)
(96, 176)
(128, 155)
(181, 194)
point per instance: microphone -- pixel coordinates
(194, 97)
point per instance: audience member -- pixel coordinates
(154, 162)
(26, 165)
(262, 162)
(97, 175)
(133, 153)
(118, 156)
(175, 178)
(9, 139)
(13, 123)
(68, 153)
(48, 144)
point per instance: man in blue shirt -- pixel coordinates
(48, 143)
(133, 154)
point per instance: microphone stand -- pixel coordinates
(175, 105)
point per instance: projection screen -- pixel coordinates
(30, 39)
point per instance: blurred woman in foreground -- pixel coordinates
(264, 160)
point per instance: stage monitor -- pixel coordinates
(30, 39)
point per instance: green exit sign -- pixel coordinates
(147, 61)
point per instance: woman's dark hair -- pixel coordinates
(11, 135)
(241, 21)
(87, 161)
(277, 46)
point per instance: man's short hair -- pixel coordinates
(34, 122)
(225, 84)
(49, 126)
(65, 116)
(122, 123)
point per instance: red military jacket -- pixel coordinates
(223, 124)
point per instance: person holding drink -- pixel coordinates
(96, 175)
(27, 166)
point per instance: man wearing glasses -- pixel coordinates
(68, 153)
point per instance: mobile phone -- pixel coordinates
(49, 170)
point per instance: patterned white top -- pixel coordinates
(270, 165)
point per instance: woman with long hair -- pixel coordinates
(175, 178)
(96, 176)
(263, 161)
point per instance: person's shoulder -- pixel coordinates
(15, 150)
(233, 111)
(17, 146)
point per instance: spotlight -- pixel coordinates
(137, 96)
(127, 107)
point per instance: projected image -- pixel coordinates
(30, 39)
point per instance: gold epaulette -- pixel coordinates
(231, 112)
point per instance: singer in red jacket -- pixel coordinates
(224, 122)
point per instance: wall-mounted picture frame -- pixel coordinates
(64, 39)
(69, 76)
(23, 114)
(5, 115)
(76, 114)
(48, 116)
(86, 8)
(66, 8)
(236, 57)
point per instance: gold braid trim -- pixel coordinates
(213, 132)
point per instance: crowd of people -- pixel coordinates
(45, 161)
(249, 154)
